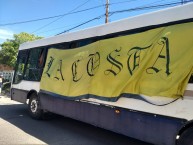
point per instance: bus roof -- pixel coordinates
(174, 14)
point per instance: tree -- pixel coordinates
(8, 53)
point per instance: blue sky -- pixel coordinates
(23, 10)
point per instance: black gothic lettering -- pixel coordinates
(60, 71)
(116, 65)
(134, 58)
(93, 63)
(49, 65)
(165, 45)
(74, 71)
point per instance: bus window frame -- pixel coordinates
(44, 53)
(16, 66)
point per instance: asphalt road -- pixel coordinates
(16, 127)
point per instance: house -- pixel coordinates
(6, 72)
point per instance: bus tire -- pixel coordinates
(186, 137)
(34, 108)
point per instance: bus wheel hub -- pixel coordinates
(34, 106)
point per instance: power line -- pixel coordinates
(148, 7)
(56, 16)
(127, 10)
(61, 16)
(96, 18)
(104, 5)
(51, 17)
(58, 28)
(111, 13)
(79, 7)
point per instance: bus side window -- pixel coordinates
(84, 42)
(20, 66)
(34, 64)
(65, 45)
(73, 45)
(41, 58)
(191, 79)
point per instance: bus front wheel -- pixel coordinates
(34, 108)
(186, 137)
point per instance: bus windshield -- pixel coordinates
(29, 65)
(19, 70)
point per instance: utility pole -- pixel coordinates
(107, 12)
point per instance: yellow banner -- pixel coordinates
(156, 62)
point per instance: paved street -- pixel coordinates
(16, 127)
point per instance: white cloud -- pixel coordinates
(6, 34)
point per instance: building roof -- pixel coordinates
(5, 68)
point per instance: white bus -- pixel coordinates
(129, 76)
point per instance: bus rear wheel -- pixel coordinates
(34, 108)
(186, 137)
